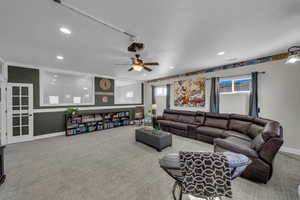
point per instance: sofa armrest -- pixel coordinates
(270, 149)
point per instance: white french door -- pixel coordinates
(19, 112)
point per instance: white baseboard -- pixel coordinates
(49, 135)
(290, 150)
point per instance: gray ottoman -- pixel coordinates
(154, 138)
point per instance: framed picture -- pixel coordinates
(190, 93)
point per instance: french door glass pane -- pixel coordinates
(25, 120)
(24, 91)
(16, 90)
(16, 101)
(16, 108)
(25, 101)
(16, 121)
(25, 130)
(16, 131)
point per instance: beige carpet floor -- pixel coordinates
(110, 165)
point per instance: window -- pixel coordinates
(235, 86)
(128, 92)
(160, 91)
(64, 88)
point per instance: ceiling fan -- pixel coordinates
(138, 64)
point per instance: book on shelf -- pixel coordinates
(86, 123)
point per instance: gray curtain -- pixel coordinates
(214, 96)
(153, 94)
(168, 103)
(253, 102)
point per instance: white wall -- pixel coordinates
(279, 95)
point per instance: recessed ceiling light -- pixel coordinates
(144, 74)
(65, 30)
(172, 67)
(221, 53)
(59, 57)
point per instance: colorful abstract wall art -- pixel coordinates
(190, 93)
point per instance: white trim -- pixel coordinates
(290, 150)
(62, 133)
(43, 110)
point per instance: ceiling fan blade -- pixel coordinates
(130, 69)
(122, 64)
(147, 69)
(151, 63)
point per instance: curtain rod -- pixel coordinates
(263, 72)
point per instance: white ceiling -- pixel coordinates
(185, 34)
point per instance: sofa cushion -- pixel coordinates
(242, 117)
(217, 123)
(272, 129)
(236, 145)
(172, 117)
(255, 130)
(211, 132)
(240, 126)
(238, 135)
(164, 122)
(261, 121)
(187, 119)
(179, 125)
(257, 142)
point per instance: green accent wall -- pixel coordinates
(51, 122)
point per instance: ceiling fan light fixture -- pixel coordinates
(137, 67)
(293, 59)
(294, 55)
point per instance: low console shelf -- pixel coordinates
(86, 123)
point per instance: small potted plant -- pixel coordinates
(72, 111)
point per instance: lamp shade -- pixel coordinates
(154, 106)
(293, 59)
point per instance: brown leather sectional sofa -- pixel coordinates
(258, 138)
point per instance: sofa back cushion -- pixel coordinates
(245, 118)
(189, 119)
(255, 130)
(239, 126)
(169, 116)
(216, 120)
